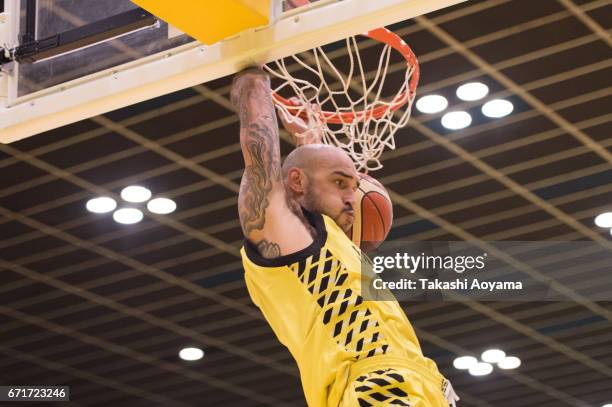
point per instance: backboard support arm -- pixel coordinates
(30, 18)
(77, 38)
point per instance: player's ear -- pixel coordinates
(295, 180)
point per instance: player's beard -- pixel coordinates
(312, 202)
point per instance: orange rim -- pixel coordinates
(394, 41)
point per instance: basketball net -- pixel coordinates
(348, 107)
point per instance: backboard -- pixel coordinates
(64, 61)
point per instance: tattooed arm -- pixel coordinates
(265, 217)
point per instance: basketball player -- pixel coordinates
(303, 272)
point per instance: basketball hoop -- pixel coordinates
(349, 109)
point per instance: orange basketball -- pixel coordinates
(373, 214)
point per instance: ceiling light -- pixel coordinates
(607, 405)
(102, 204)
(493, 355)
(481, 369)
(135, 193)
(464, 362)
(431, 104)
(191, 354)
(161, 206)
(456, 120)
(604, 220)
(472, 91)
(497, 108)
(127, 216)
(509, 362)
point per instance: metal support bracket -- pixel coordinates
(81, 37)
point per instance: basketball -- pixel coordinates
(373, 214)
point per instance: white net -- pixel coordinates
(350, 105)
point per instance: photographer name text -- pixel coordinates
(411, 264)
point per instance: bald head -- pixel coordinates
(312, 156)
(322, 179)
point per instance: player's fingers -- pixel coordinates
(295, 101)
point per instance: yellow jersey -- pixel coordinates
(313, 301)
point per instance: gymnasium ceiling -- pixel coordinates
(105, 308)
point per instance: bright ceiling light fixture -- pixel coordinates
(604, 220)
(497, 108)
(472, 91)
(135, 193)
(481, 369)
(101, 204)
(431, 104)
(191, 354)
(464, 362)
(456, 120)
(161, 206)
(509, 363)
(127, 216)
(493, 355)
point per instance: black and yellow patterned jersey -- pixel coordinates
(312, 300)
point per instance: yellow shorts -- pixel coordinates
(394, 384)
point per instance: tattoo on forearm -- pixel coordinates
(258, 178)
(268, 250)
(260, 145)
